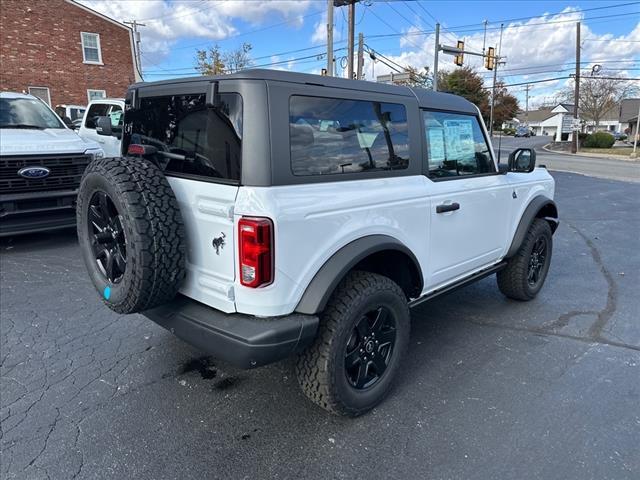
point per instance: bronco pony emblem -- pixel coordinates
(218, 243)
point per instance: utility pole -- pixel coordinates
(330, 38)
(350, 46)
(574, 144)
(484, 39)
(636, 137)
(495, 77)
(526, 114)
(136, 35)
(360, 56)
(435, 59)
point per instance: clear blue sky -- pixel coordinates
(290, 34)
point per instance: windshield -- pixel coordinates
(26, 113)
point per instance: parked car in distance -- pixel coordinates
(266, 214)
(113, 108)
(41, 164)
(617, 135)
(70, 113)
(523, 132)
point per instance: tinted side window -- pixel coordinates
(191, 137)
(456, 145)
(332, 136)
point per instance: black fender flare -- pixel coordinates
(528, 216)
(325, 281)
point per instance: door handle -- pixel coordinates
(447, 207)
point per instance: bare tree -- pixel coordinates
(598, 96)
(213, 61)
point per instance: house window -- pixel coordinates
(91, 48)
(42, 93)
(96, 94)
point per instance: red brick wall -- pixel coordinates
(40, 46)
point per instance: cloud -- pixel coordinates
(168, 21)
(319, 35)
(531, 47)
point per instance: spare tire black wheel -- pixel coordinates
(131, 233)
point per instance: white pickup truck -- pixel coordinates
(109, 107)
(41, 164)
(267, 214)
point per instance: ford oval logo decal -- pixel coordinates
(34, 172)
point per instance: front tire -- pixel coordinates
(527, 270)
(363, 335)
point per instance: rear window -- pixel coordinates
(192, 139)
(334, 136)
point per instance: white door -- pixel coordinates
(470, 202)
(110, 145)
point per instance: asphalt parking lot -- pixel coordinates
(492, 389)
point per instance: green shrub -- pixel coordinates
(623, 137)
(599, 140)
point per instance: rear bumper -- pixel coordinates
(37, 211)
(242, 340)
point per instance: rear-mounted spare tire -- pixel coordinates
(131, 233)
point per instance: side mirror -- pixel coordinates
(522, 160)
(103, 126)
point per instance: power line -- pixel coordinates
(563, 78)
(459, 29)
(313, 58)
(405, 18)
(608, 7)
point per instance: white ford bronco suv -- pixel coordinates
(269, 214)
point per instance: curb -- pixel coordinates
(592, 155)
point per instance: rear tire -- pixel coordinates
(363, 335)
(527, 270)
(127, 211)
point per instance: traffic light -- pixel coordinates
(490, 59)
(460, 56)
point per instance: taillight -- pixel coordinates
(255, 240)
(142, 150)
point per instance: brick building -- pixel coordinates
(64, 52)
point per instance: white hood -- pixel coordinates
(15, 141)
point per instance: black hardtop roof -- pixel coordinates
(426, 98)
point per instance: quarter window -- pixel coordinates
(91, 48)
(456, 145)
(192, 137)
(334, 136)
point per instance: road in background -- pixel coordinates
(491, 388)
(624, 170)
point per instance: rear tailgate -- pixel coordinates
(207, 210)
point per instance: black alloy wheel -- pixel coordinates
(370, 347)
(537, 260)
(107, 237)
